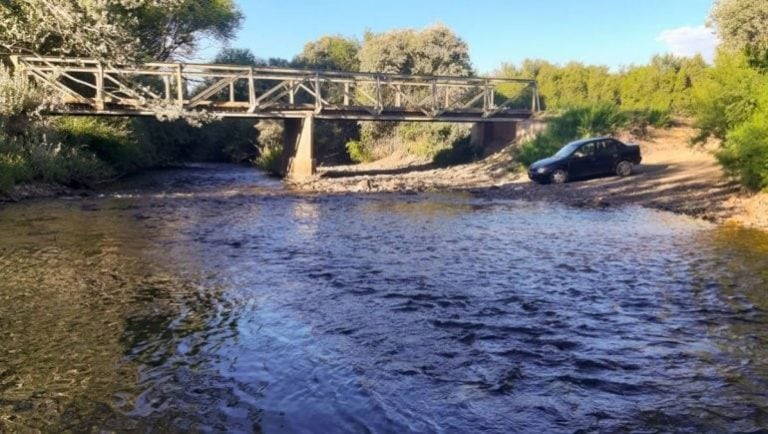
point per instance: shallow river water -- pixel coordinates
(210, 299)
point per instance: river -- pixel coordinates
(209, 299)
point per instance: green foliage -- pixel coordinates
(32, 158)
(426, 139)
(270, 146)
(359, 152)
(460, 152)
(330, 53)
(111, 140)
(116, 29)
(664, 85)
(576, 123)
(598, 119)
(745, 153)
(727, 95)
(737, 112)
(743, 26)
(435, 50)
(270, 160)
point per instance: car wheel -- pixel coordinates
(559, 176)
(624, 168)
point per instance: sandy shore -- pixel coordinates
(673, 176)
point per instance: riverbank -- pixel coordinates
(674, 177)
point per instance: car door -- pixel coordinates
(583, 161)
(606, 154)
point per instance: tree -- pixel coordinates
(726, 95)
(743, 25)
(117, 30)
(330, 53)
(435, 50)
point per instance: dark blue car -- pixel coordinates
(585, 158)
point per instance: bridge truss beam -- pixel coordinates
(90, 87)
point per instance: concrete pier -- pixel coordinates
(298, 148)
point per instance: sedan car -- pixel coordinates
(584, 158)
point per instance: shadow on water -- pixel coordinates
(236, 307)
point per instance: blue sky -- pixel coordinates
(613, 33)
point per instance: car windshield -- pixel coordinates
(568, 149)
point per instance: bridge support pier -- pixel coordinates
(298, 148)
(488, 136)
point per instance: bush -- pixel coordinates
(428, 139)
(461, 152)
(33, 158)
(271, 160)
(600, 119)
(359, 152)
(744, 154)
(111, 140)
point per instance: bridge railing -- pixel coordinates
(89, 86)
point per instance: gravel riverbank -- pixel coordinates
(674, 176)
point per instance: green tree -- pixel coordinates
(330, 53)
(122, 30)
(726, 95)
(743, 25)
(436, 50)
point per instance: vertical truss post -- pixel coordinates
(435, 99)
(536, 101)
(318, 94)
(398, 96)
(167, 85)
(232, 91)
(251, 91)
(179, 85)
(489, 95)
(99, 75)
(346, 93)
(379, 102)
(291, 92)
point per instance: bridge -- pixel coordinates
(91, 87)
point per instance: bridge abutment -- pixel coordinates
(492, 136)
(298, 148)
(485, 135)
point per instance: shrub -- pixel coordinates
(33, 158)
(575, 123)
(271, 160)
(111, 140)
(744, 154)
(461, 152)
(359, 152)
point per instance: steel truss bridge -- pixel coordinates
(170, 90)
(90, 87)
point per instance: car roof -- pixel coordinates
(589, 139)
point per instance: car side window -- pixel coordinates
(585, 150)
(607, 147)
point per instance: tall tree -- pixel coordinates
(330, 53)
(743, 24)
(122, 30)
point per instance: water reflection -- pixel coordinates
(260, 311)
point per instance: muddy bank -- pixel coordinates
(38, 191)
(674, 176)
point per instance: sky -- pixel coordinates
(615, 33)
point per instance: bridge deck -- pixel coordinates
(88, 87)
